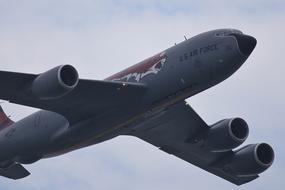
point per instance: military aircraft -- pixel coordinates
(146, 100)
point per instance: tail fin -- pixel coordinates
(5, 121)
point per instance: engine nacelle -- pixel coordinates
(251, 160)
(226, 135)
(55, 83)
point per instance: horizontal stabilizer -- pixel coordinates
(5, 121)
(15, 171)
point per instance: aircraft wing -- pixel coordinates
(173, 131)
(88, 98)
(15, 171)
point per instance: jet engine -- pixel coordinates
(55, 83)
(251, 159)
(226, 135)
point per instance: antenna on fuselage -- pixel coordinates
(185, 38)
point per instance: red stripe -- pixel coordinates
(141, 67)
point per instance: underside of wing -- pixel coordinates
(83, 101)
(181, 132)
(15, 171)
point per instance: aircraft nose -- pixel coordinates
(246, 43)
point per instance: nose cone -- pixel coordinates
(246, 43)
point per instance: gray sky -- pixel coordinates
(102, 37)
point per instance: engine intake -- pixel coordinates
(226, 135)
(56, 82)
(252, 159)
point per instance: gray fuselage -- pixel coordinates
(171, 76)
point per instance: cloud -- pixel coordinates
(102, 37)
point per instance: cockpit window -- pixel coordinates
(228, 32)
